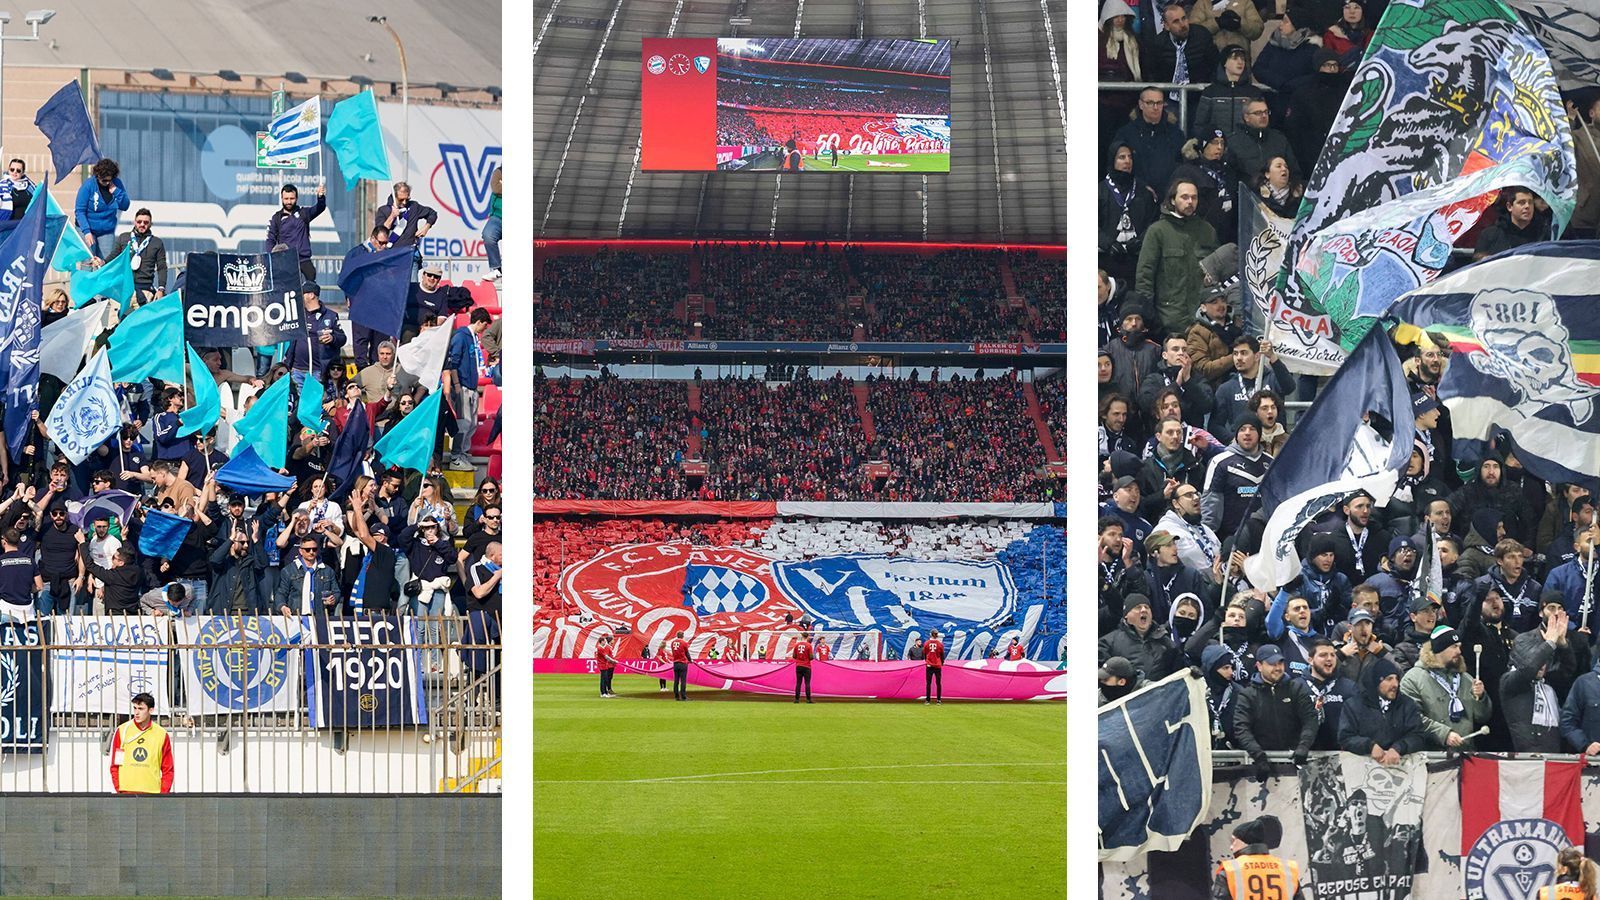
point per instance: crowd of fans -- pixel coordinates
(609, 439)
(611, 294)
(623, 439)
(921, 298)
(1043, 281)
(762, 292)
(837, 97)
(801, 440)
(1052, 394)
(958, 439)
(347, 535)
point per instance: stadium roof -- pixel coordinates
(456, 42)
(1008, 161)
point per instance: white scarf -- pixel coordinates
(1121, 44)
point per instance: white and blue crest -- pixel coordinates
(717, 589)
(1513, 859)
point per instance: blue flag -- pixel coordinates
(114, 280)
(266, 426)
(409, 444)
(24, 255)
(376, 285)
(1155, 767)
(1331, 433)
(149, 342)
(162, 533)
(199, 418)
(1525, 330)
(87, 412)
(65, 122)
(245, 473)
(308, 409)
(357, 139)
(349, 449)
(70, 251)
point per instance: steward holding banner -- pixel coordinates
(243, 300)
(375, 683)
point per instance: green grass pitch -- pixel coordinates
(738, 795)
(888, 162)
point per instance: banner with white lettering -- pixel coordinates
(365, 672)
(1368, 822)
(242, 300)
(240, 663)
(24, 703)
(98, 663)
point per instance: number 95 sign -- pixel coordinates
(362, 674)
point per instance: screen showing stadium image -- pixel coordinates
(796, 105)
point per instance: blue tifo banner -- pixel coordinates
(24, 702)
(1155, 767)
(363, 674)
(240, 663)
(242, 300)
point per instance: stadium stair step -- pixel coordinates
(481, 772)
(1036, 413)
(862, 410)
(1007, 279)
(693, 437)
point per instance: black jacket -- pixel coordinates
(1152, 655)
(1518, 687)
(1366, 723)
(123, 584)
(1275, 717)
(1160, 56)
(1330, 697)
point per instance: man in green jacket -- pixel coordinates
(1169, 262)
(1453, 703)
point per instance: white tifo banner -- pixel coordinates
(454, 153)
(100, 662)
(220, 676)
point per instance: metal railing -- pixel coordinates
(1166, 87)
(1228, 758)
(270, 704)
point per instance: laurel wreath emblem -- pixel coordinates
(10, 679)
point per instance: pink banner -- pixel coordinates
(989, 679)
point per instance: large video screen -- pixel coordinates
(796, 105)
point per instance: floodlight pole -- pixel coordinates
(5, 19)
(405, 99)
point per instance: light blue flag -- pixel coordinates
(266, 426)
(149, 342)
(199, 418)
(309, 409)
(357, 139)
(70, 251)
(114, 281)
(87, 412)
(409, 444)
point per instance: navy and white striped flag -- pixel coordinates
(1155, 767)
(1524, 328)
(296, 132)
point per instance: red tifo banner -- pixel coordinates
(1496, 790)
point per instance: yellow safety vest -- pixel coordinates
(1261, 877)
(139, 759)
(1567, 891)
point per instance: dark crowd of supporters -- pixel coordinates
(828, 97)
(380, 539)
(816, 292)
(798, 438)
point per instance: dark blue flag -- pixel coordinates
(65, 122)
(1155, 767)
(376, 284)
(24, 256)
(246, 474)
(1524, 328)
(349, 449)
(1331, 442)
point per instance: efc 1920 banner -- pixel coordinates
(99, 662)
(363, 674)
(242, 300)
(24, 703)
(240, 663)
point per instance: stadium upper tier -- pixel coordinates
(888, 440)
(811, 292)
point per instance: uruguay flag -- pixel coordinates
(296, 132)
(1525, 328)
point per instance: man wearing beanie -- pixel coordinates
(1140, 640)
(1133, 354)
(1453, 703)
(1254, 872)
(324, 335)
(1381, 722)
(1233, 477)
(1324, 587)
